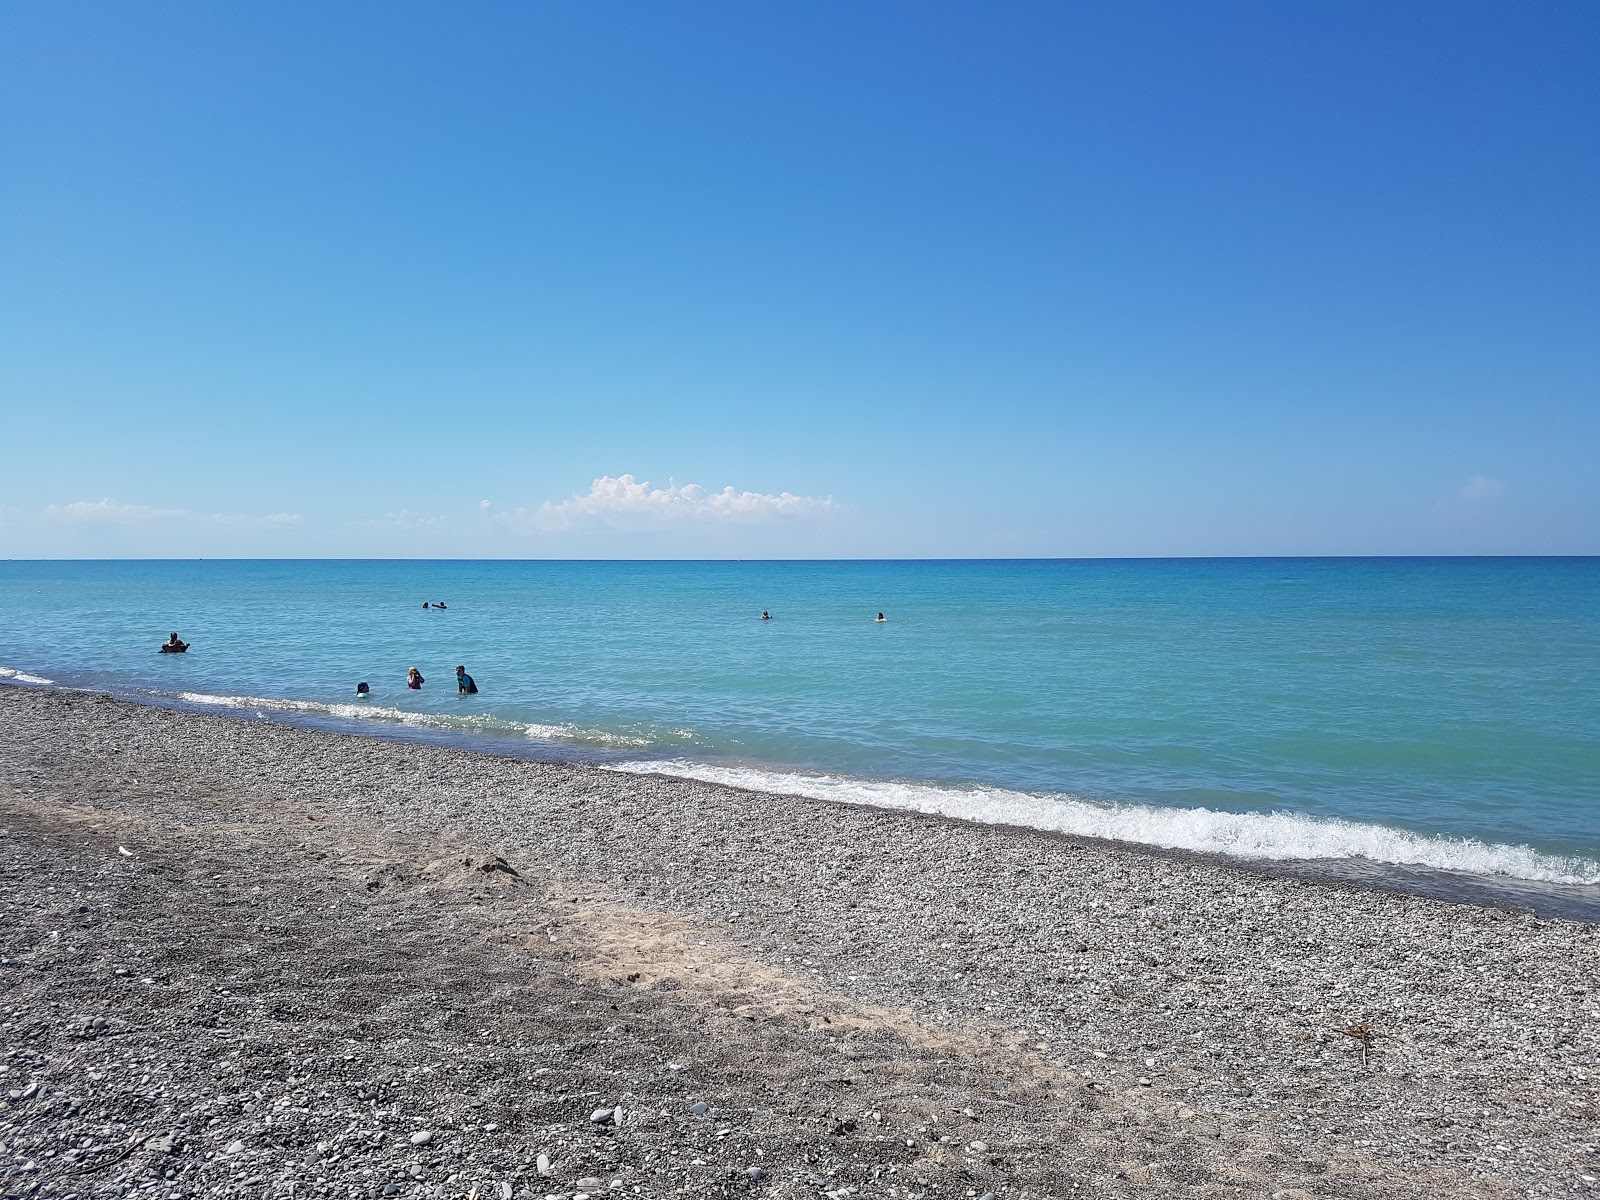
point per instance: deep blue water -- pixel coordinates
(1442, 712)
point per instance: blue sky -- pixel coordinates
(537, 280)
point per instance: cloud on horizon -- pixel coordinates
(625, 502)
(109, 512)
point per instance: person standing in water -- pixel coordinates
(464, 684)
(414, 679)
(881, 617)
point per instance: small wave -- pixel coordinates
(24, 677)
(399, 716)
(1278, 836)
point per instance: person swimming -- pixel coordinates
(765, 615)
(414, 679)
(464, 683)
(174, 645)
(362, 690)
(881, 617)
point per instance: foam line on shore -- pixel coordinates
(474, 723)
(23, 677)
(1276, 836)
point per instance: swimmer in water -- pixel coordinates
(881, 617)
(414, 679)
(173, 645)
(464, 684)
(765, 615)
(362, 690)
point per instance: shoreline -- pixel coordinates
(1569, 901)
(1092, 1015)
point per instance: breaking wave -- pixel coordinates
(481, 723)
(1278, 836)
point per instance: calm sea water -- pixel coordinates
(1443, 713)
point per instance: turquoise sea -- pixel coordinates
(1405, 719)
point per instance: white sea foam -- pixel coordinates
(444, 721)
(1278, 835)
(23, 677)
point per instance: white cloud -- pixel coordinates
(109, 510)
(486, 505)
(1480, 489)
(282, 519)
(406, 519)
(623, 501)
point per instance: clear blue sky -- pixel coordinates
(913, 279)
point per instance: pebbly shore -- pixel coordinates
(247, 959)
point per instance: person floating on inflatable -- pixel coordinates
(173, 645)
(464, 684)
(414, 679)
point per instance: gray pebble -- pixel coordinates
(422, 1137)
(699, 1108)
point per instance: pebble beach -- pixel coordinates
(249, 959)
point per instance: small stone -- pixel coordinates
(234, 1147)
(422, 1137)
(616, 1115)
(987, 1196)
(754, 1173)
(477, 1104)
(505, 1190)
(978, 1147)
(491, 1127)
(161, 1144)
(699, 1108)
(589, 1184)
(601, 1116)
(542, 1163)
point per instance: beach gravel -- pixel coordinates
(247, 959)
